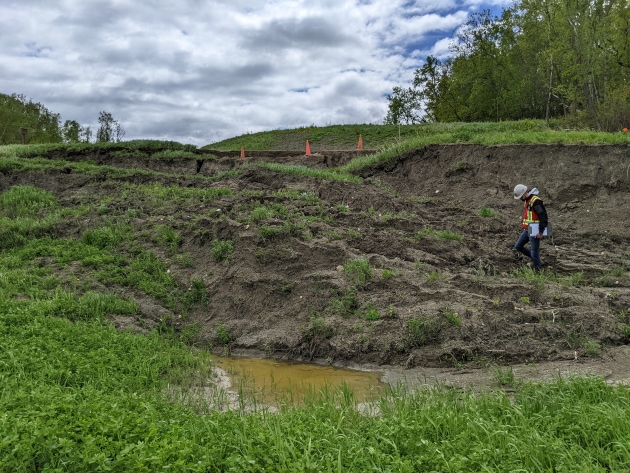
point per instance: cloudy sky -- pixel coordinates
(199, 71)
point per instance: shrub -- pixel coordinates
(223, 334)
(487, 212)
(358, 271)
(222, 249)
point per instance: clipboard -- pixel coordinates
(532, 228)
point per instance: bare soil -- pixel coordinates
(442, 302)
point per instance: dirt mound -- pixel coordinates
(411, 267)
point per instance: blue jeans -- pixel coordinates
(534, 248)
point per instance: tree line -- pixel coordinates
(540, 59)
(43, 126)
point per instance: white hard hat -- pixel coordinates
(519, 190)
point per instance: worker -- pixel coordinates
(533, 212)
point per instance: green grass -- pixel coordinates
(487, 212)
(222, 249)
(305, 171)
(358, 271)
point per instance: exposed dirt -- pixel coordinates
(441, 301)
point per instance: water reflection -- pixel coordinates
(272, 381)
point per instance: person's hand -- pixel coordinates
(539, 236)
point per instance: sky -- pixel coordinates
(198, 72)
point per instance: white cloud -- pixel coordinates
(198, 72)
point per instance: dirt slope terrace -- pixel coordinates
(442, 286)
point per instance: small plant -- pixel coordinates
(343, 208)
(184, 260)
(504, 376)
(223, 334)
(333, 235)
(346, 305)
(222, 249)
(576, 340)
(487, 212)
(387, 273)
(260, 213)
(318, 328)
(390, 312)
(352, 233)
(496, 301)
(102, 209)
(371, 312)
(358, 271)
(266, 232)
(435, 276)
(196, 293)
(421, 331)
(169, 237)
(524, 300)
(591, 348)
(452, 317)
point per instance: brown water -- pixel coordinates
(272, 380)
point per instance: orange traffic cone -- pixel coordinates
(308, 149)
(242, 152)
(360, 146)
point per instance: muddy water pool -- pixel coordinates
(272, 380)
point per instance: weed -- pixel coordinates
(422, 331)
(267, 233)
(222, 249)
(575, 340)
(169, 237)
(346, 305)
(504, 376)
(184, 260)
(371, 312)
(524, 300)
(318, 328)
(260, 213)
(591, 348)
(352, 233)
(390, 312)
(435, 276)
(387, 273)
(452, 317)
(196, 293)
(358, 271)
(333, 235)
(223, 335)
(23, 201)
(486, 212)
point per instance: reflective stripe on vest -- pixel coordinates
(529, 214)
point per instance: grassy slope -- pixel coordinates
(79, 396)
(394, 139)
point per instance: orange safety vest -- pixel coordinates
(529, 215)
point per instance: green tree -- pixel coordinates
(405, 106)
(17, 112)
(538, 59)
(73, 132)
(109, 129)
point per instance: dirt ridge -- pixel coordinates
(445, 287)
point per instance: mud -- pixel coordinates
(442, 303)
